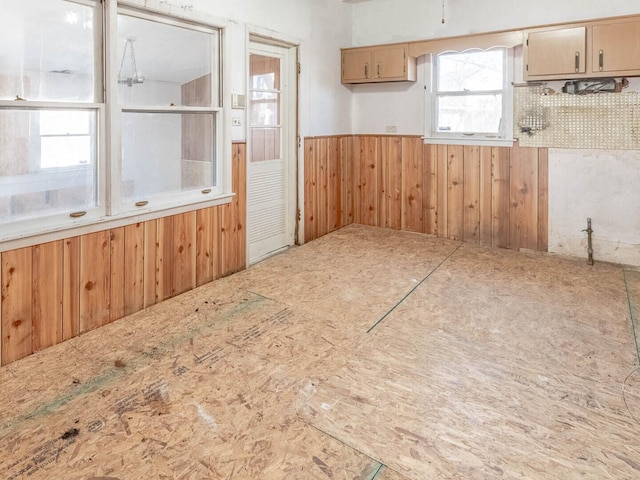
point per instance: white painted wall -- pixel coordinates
(602, 185)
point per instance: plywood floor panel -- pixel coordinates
(486, 364)
(500, 365)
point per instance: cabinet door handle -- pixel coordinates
(378, 69)
(577, 62)
(366, 70)
(601, 60)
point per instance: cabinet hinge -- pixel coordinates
(298, 68)
(527, 42)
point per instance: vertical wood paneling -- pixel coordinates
(309, 190)
(164, 253)
(150, 263)
(455, 193)
(368, 160)
(485, 208)
(55, 291)
(443, 188)
(133, 268)
(383, 181)
(412, 184)
(394, 183)
(333, 185)
(216, 222)
(95, 279)
(543, 200)
(71, 288)
(47, 295)
(430, 157)
(348, 181)
(16, 304)
(471, 187)
(184, 253)
(322, 161)
(500, 197)
(117, 274)
(204, 246)
(524, 198)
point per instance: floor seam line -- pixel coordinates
(307, 422)
(631, 316)
(414, 289)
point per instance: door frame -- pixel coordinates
(290, 144)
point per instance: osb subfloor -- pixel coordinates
(366, 354)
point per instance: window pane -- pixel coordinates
(47, 50)
(469, 113)
(265, 110)
(32, 185)
(164, 153)
(474, 71)
(265, 73)
(160, 64)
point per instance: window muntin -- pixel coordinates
(48, 50)
(469, 94)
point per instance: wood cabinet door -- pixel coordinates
(356, 66)
(556, 52)
(616, 47)
(390, 62)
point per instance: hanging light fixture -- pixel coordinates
(135, 78)
(442, 11)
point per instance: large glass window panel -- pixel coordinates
(470, 71)
(27, 190)
(161, 64)
(469, 113)
(47, 50)
(166, 153)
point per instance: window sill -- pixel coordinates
(20, 238)
(480, 141)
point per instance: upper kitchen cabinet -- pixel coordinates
(600, 48)
(386, 63)
(556, 53)
(616, 48)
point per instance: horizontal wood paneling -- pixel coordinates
(493, 196)
(55, 291)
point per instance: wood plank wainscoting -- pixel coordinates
(495, 196)
(58, 290)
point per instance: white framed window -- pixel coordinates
(107, 111)
(168, 112)
(51, 110)
(470, 99)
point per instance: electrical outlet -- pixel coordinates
(236, 122)
(392, 129)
